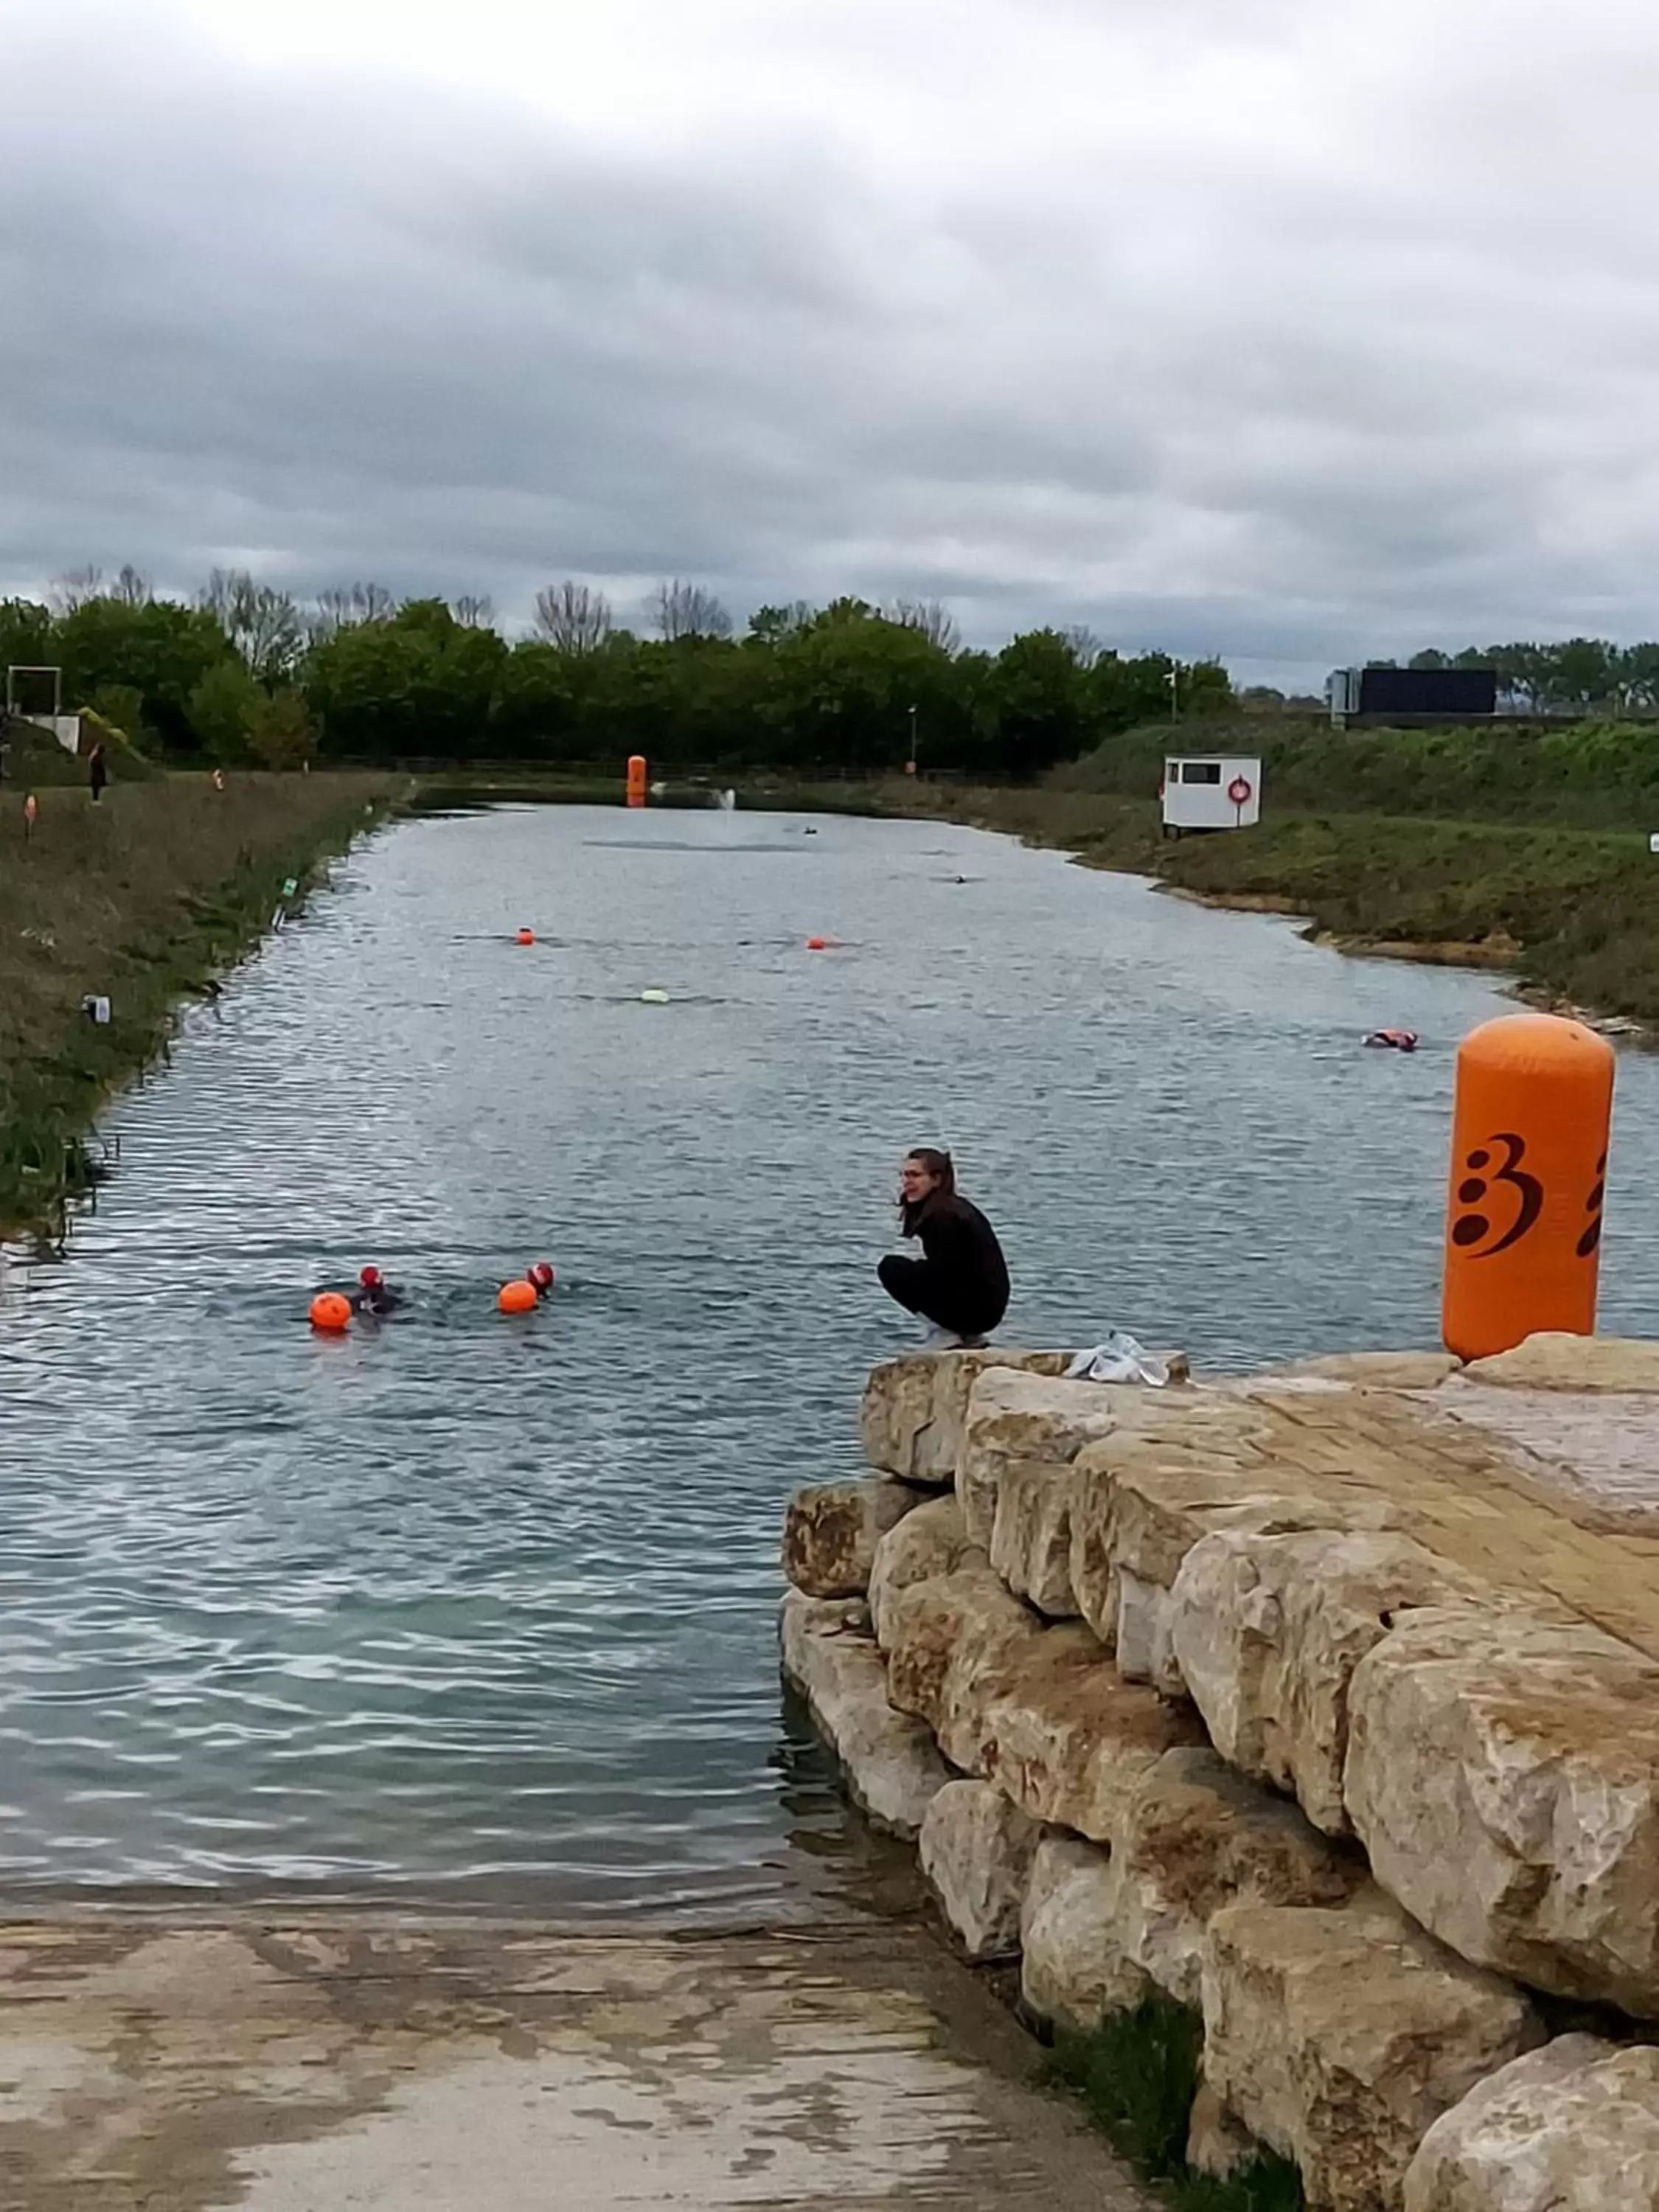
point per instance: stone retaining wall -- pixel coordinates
(1327, 1702)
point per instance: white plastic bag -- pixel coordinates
(1118, 1359)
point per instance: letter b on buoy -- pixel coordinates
(1528, 1177)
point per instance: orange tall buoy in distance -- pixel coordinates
(331, 1313)
(637, 773)
(1528, 1177)
(526, 937)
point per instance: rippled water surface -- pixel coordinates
(482, 1608)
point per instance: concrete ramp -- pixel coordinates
(364, 2067)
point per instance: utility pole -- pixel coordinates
(1174, 690)
(910, 765)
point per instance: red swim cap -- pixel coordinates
(369, 1276)
(541, 1275)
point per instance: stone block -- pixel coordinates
(927, 1543)
(1216, 2144)
(1182, 1466)
(1031, 1535)
(1554, 1361)
(1504, 1776)
(952, 1642)
(916, 1408)
(1065, 1737)
(1143, 1646)
(1572, 2127)
(1073, 1970)
(1338, 2038)
(1377, 1371)
(890, 1763)
(1267, 1629)
(1195, 1836)
(1015, 1417)
(976, 1852)
(832, 1529)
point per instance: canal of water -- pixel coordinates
(476, 1609)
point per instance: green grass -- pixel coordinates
(144, 899)
(1137, 2075)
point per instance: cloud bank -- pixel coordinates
(1288, 330)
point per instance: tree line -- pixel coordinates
(245, 673)
(1574, 675)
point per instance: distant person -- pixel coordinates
(374, 1295)
(541, 1279)
(960, 1284)
(98, 771)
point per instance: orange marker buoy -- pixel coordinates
(1528, 1177)
(526, 937)
(518, 1297)
(637, 775)
(331, 1313)
(817, 944)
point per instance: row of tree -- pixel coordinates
(245, 672)
(1574, 675)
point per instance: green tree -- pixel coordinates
(532, 711)
(1042, 702)
(222, 709)
(160, 649)
(280, 732)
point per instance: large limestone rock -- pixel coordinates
(1339, 2037)
(1379, 1370)
(891, 1762)
(929, 1542)
(1065, 1737)
(1178, 1467)
(976, 1851)
(1013, 1475)
(1031, 1535)
(1216, 2144)
(916, 1408)
(1573, 2127)
(1504, 1776)
(1194, 1837)
(1073, 1970)
(1267, 1629)
(832, 1530)
(951, 1644)
(1553, 1361)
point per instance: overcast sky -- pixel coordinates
(1288, 330)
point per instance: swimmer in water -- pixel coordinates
(540, 1278)
(374, 1295)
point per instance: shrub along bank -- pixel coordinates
(142, 900)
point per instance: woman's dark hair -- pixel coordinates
(940, 1166)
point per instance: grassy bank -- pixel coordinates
(142, 900)
(1574, 913)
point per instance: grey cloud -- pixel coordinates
(1352, 363)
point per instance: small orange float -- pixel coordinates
(331, 1313)
(819, 944)
(526, 937)
(518, 1297)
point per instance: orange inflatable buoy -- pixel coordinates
(517, 1297)
(1528, 1177)
(637, 774)
(331, 1312)
(526, 937)
(817, 944)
